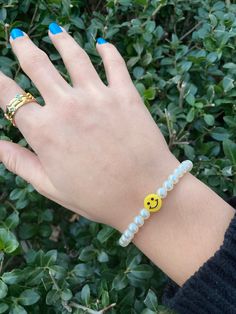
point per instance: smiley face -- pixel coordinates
(152, 202)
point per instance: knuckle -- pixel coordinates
(113, 56)
(5, 84)
(116, 61)
(80, 55)
(34, 59)
(10, 161)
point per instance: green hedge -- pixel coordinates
(182, 60)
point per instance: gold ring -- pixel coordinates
(16, 103)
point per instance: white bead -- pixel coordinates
(183, 168)
(178, 172)
(144, 213)
(139, 220)
(128, 234)
(162, 192)
(123, 243)
(133, 227)
(168, 185)
(124, 239)
(173, 178)
(188, 164)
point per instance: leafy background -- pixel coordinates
(181, 55)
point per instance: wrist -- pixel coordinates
(149, 185)
(187, 231)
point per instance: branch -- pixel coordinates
(191, 30)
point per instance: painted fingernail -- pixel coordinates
(101, 41)
(16, 32)
(55, 28)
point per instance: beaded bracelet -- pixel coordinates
(153, 202)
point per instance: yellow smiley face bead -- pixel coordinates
(152, 202)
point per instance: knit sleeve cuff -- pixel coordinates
(212, 288)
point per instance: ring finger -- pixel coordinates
(28, 114)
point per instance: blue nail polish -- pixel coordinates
(16, 32)
(101, 41)
(55, 28)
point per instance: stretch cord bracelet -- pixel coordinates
(153, 202)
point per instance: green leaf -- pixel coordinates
(185, 66)
(17, 309)
(213, 20)
(141, 2)
(3, 289)
(45, 230)
(8, 242)
(77, 21)
(209, 119)
(3, 14)
(151, 300)
(105, 233)
(85, 294)
(53, 296)
(103, 257)
(229, 148)
(149, 93)
(220, 134)
(29, 297)
(148, 311)
(17, 194)
(212, 57)
(190, 98)
(27, 231)
(12, 277)
(12, 220)
(142, 271)
(150, 26)
(138, 72)
(132, 61)
(66, 294)
(87, 254)
(138, 46)
(190, 116)
(83, 270)
(3, 307)
(228, 83)
(119, 282)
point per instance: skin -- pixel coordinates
(96, 140)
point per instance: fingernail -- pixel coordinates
(55, 28)
(101, 41)
(16, 32)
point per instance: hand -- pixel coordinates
(97, 149)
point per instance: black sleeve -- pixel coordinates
(212, 288)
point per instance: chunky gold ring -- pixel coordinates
(16, 103)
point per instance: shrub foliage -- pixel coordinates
(181, 57)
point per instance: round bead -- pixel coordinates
(188, 164)
(178, 172)
(183, 168)
(139, 220)
(173, 178)
(152, 202)
(168, 185)
(128, 234)
(122, 242)
(162, 192)
(133, 227)
(144, 213)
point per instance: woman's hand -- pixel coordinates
(97, 149)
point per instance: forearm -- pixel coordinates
(188, 229)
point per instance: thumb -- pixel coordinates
(25, 164)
